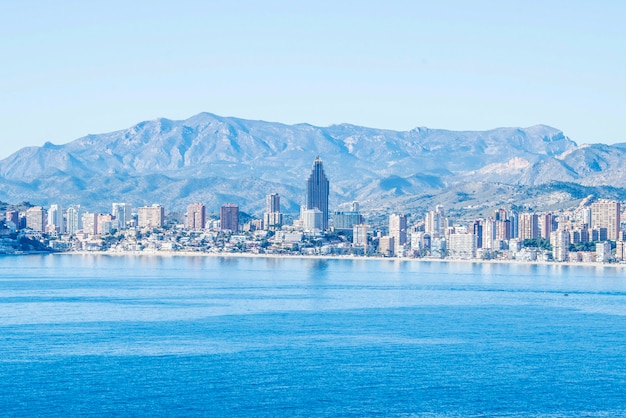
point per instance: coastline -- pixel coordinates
(338, 257)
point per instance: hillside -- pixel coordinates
(213, 159)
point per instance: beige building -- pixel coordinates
(36, 218)
(462, 246)
(528, 226)
(606, 214)
(386, 246)
(560, 241)
(196, 216)
(359, 235)
(397, 230)
(150, 216)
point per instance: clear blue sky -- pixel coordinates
(70, 68)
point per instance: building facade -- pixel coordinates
(123, 214)
(606, 214)
(150, 216)
(272, 218)
(229, 217)
(55, 219)
(196, 216)
(74, 219)
(397, 230)
(317, 191)
(35, 218)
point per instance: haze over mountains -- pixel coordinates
(215, 160)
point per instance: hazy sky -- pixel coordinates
(70, 68)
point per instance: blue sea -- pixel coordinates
(227, 336)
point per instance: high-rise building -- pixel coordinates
(229, 217)
(196, 216)
(90, 223)
(489, 234)
(435, 222)
(346, 220)
(603, 250)
(503, 230)
(123, 213)
(312, 220)
(560, 244)
(397, 230)
(386, 246)
(106, 223)
(35, 218)
(74, 219)
(478, 232)
(606, 214)
(620, 250)
(528, 226)
(462, 245)
(272, 218)
(359, 235)
(13, 216)
(150, 216)
(501, 215)
(545, 225)
(317, 191)
(55, 219)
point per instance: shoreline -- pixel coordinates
(338, 257)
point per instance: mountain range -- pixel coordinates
(215, 160)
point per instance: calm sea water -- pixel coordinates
(208, 336)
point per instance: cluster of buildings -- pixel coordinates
(587, 233)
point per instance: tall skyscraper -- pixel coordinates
(397, 230)
(196, 216)
(317, 190)
(606, 214)
(55, 219)
(545, 225)
(90, 223)
(272, 218)
(359, 235)
(229, 217)
(74, 219)
(528, 226)
(123, 213)
(435, 222)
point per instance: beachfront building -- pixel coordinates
(386, 246)
(560, 240)
(603, 252)
(359, 235)
(462, 246)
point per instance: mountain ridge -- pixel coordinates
(208, 158)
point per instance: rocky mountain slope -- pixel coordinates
(213, 159)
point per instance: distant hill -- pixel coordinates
(214, 160)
